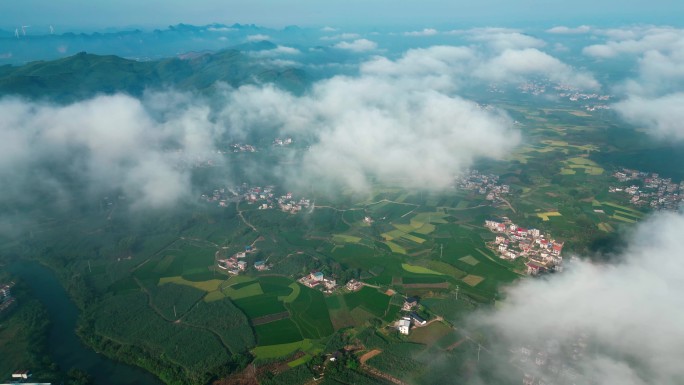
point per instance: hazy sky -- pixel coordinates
(276, 13)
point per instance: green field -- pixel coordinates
(280, 350)
(259, 306)
(418, 269)
(345, 238)
(283, 331)
(369, 299)
(208, 286)
(250, 290)
(310, 312)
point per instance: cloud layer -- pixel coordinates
(630, 313)
(397, 122)
(103, 145)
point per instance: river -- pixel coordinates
(66, 348)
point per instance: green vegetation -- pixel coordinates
(283, 331)
(418, 269)
(275, 351)
(150, 294)
(369, 299)
(310, 312)
(23, 340)
(85, 75)
(225, 320)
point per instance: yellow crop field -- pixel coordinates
(418, 269)
(395, 248)
(605, 227)
(545, 216)
(344, 238)
(472, 280)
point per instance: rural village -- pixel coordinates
(543, 254)
(654, 191)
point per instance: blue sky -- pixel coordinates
(76, 14)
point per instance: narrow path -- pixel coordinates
(369, 355)
(382, 375)
(507, 203)
(237, 207)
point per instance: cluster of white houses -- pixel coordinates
(6, 298)
(316, 279)
(655, 191)
(543, 253)
(483, 184)
(236, 264)
(411, 318)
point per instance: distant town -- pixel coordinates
(483, 184)
(650, 189)
(543, 253)
(264, 197)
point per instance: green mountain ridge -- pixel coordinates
(85, 75)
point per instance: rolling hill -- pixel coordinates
(84, 75)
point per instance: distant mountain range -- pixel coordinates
(20, 46)
(84, 75)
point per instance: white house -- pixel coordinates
(404, 325)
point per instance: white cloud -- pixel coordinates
(328, 29)
(359, 45)
(501, 39)
(630, 312)
(342, 36)
(398, 122)
(424, 32)
(258, 37)
(103, 144)
(517, 65)
(278, 51)
(220, 29)
(438, 67)
(637, 41)
(663, 116)
(563, 30)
